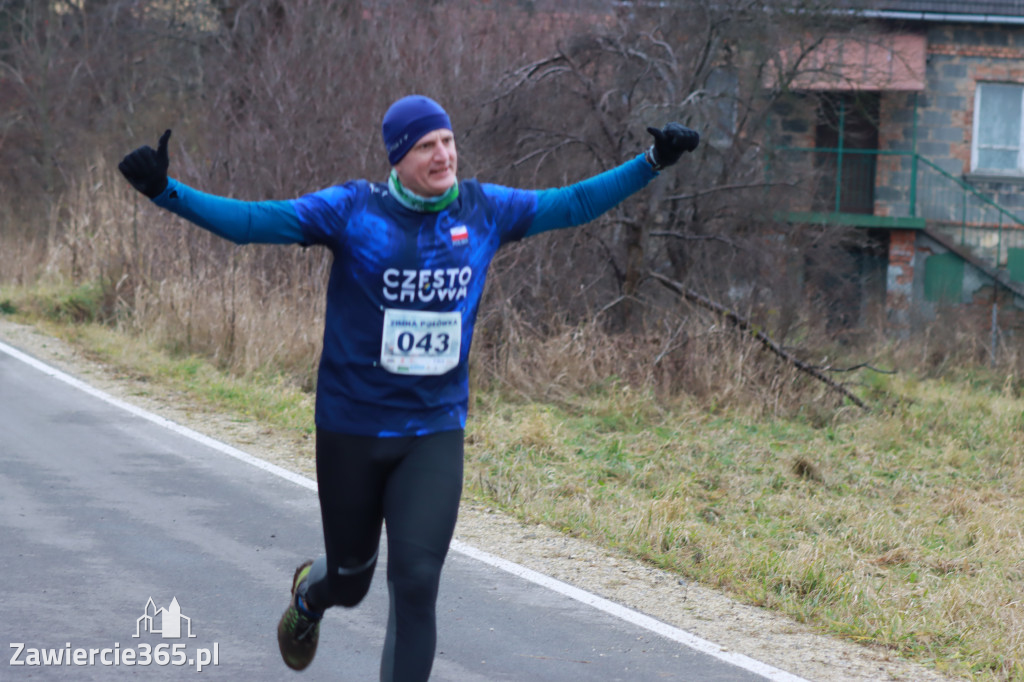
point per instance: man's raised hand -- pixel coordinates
(670, 143)
(146, 168)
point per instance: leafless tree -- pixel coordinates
(271, 99)
(709, 222)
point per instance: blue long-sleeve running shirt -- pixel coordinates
(405, 285)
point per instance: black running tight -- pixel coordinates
(413, 485)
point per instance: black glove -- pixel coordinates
(146, 168)
(669, 144)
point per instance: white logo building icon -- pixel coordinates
(164, 622)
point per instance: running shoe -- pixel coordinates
(299, 628)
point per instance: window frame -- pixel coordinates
(1017, 172)
(722, 88)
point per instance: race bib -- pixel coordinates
(420, 342)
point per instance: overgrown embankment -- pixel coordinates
(898, 527)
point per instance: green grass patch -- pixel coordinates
(79, 304)
(898, 528)
(263, 396)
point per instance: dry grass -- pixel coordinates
(712, 364)
(116, 259)
(900, 530)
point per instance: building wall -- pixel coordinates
(941, 120)
(959, 56)
(977, 293)
(893, 172)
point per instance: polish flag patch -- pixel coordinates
(460, 235)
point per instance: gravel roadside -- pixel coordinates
(767, 637)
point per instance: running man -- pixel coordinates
(410, 260)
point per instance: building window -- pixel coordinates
(722, 86)
(997, 143)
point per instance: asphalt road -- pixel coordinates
(104, 508)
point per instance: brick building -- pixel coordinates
(913, 125)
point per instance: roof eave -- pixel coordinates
(939, 17)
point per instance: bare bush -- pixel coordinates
(709, 221)
(273, 99)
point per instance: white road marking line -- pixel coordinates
(298, 479)
(611, 608)
(629, 615)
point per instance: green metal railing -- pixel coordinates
(872, 187)
(963, 212)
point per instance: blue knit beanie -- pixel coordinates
(409, 119)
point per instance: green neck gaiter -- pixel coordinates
(418, 203)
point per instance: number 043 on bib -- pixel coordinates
(420, 342)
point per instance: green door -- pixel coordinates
(944, 278)
(1015, 264)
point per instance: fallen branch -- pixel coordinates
(744, 325)
(862, 365)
